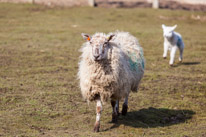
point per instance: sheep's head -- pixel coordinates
(168, 31)
(99, 43)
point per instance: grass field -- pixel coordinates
(39, 92)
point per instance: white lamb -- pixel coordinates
(172, 42)
(110, 67)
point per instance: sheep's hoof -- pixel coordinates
(180, 61)
(171, 65)
(114, 118)
(124, 110)
(117, 112)
(164, 57)
(96, 127)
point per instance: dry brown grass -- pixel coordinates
(39, 93)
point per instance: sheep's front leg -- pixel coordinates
(98, 115)
(115, 109)
(172, 55)
(125, 106)
(165, 51)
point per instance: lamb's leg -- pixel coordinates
(165, 51)
(125, 106)
(181, 54)
(172, 55)
(98, 115)
(114, 111)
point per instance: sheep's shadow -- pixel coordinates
(153, 117)
(186, 64)
(190, 63)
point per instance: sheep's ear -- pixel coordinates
(110, 37)
(163, 26)
(174, 27)
(86, 37)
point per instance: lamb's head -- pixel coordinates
(168, 31)
(99, 43)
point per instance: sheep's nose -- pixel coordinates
(96, 57)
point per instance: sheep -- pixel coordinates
(172, 41)
(110, 67)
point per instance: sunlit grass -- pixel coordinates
(39, 92)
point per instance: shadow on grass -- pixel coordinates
(186, 64)
(153, 117)
(190, 63)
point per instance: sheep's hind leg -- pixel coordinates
(125, 106)
(98, 115)
(115, 105)
(181, 53)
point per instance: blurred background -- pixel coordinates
(171, 4)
